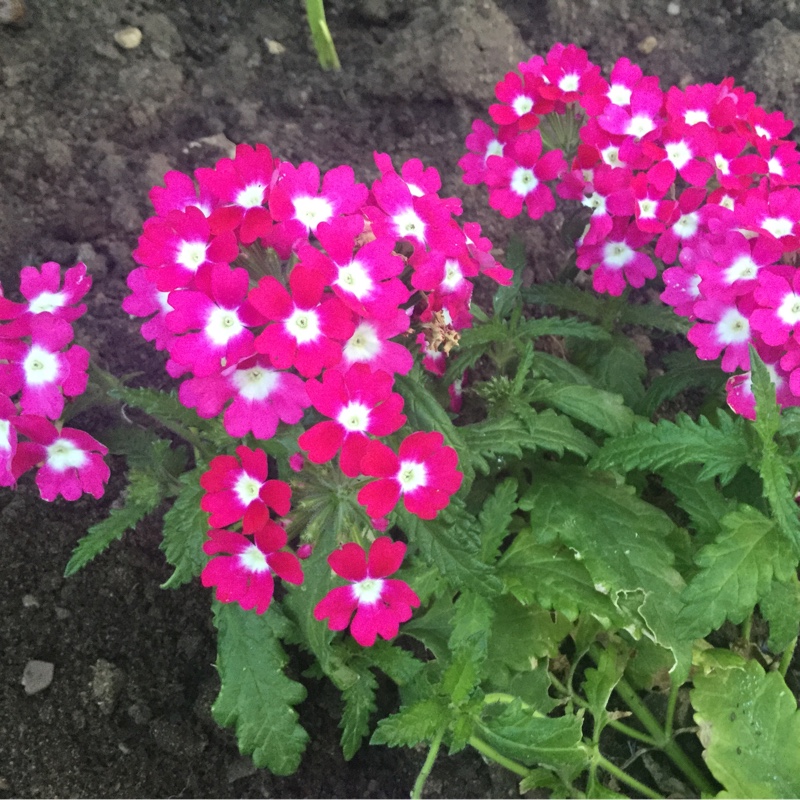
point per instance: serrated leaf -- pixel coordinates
(507, 297)
(549, 430)
(256, 697)
(617, 366)
(602, 410)
(359, 703)
(721, 450)
(472, 623)
(460, 679)
(143, 494)
(735, 571)
(780, 607)
(599, 683)
(413, 724)
(185, 529)
(750, 729)
(433, 628)
(535, 740)
(495, 517)
(400, 665)
(700, 499)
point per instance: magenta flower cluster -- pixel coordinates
(275, 288)
(701, 178)
(39, 372)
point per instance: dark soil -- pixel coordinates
(86, 128)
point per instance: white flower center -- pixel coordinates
(678, 153)
(354, 279)
(610, 156)
(619, 94)
(363, 345)
(762, 132)
(253, 560)
(774, 166)
(47, 301)
(408, 223)
(647, 208)
(368, 591)
(722, 163)
(687, 225)
(223, 325)
(726, 201)
(452, 275)
(62, 454)
(569, 83)
(596, 202)
(640, 125)
(415, 190)
(523, 181)
(494, 148)
(303, 324)
(742, 269)
(411, 476)
(778, 226)
(40, 366)
(246, 488)
(251, 196)
(693, 116)
(789, 309)
(191, 255)
(5, 434)
(312, 210)
(617, 254)
(522, 105)
(354, 417)
(733, 328)
(255, 383)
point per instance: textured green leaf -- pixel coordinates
(506, 298)
(535, 740)
(143, 494)
(400, 665)
(602, 410)
(700, 499)
(472, 624)
(721, 449)
(617, 366)
(495, 517)
(780, 607)
(413, 724)
(599, 683)
(185, 529)
(549, 430)
(750, 729)
(433, 628)
(359, 703)
(256, 697)
(735, 571)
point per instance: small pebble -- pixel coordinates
(37, 676)
(647, 45)
(11, 11)
(128, 38)
(30, 601)
(673, 9)
(274, 48)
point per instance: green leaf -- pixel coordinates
(400, 665)
(433, 628)
(735, 571)
(414, 724)
(549, 430)
(750, 729)
(721, 449)
(780, 607)
(143, 494)
(599, 683)
(534, 740)
(495, 517)
(185, 529)
(460, 679)
(256, 697)
(617, 366)
(506, 298)
(602, 410)
(472, 624)
(700, 499)
(359, 703)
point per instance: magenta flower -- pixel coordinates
(726, 332)
(146, 301)
(423, 472)
(71, 461)
(380, 603)
(179, 192)
(358, 403)
(245, 574)
(778, 294)
(43, 290)
(370, 344)
(237, 489)
(8, 441)
(481, 143)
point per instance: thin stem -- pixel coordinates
(623, 777)
(323, 41)
(489, 751)
(671, 703)
(419, 784)
(747, 627)
(786, 658)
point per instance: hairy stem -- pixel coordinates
(323, 41)
(419, 784)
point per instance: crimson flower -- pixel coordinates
(423, 472)
(380, 603)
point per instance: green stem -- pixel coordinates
(489, 751)
(786, 658)
(671, 703)
(669, 746)
(747, 627)
(623, 777)
(419, 784)
(323, 41)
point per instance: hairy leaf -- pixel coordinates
(185, 529)
(413, 724)
(780, 607)
(359, 703)
(495, 517)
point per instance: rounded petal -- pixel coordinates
(385, 557)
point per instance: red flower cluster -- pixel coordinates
(39, 372)
(703, 174)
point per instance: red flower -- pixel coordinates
(380, 604)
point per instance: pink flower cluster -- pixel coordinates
(275, 288)
(39, 373)
(701, 176)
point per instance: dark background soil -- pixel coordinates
(86, 128)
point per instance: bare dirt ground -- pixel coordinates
(86, 128)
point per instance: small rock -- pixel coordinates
(37, 676)
(128, 38)
(11, 11)
(274, 48)
(673, 9)
(647, 45)
(30, 601)
(62, 613)
(107, 683)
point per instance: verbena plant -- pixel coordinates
(542, 539)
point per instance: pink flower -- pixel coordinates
(358, 403)
(778, 294)
(424, 473)
(519, 100)
(481, 143)
(380, 603)
(643, 116)
(178, 193)
(43, 290)
(727, 331)
(237, 489)
(146, 301)
(8, 441)
(244, 576)
(370, 345)
(71, 460)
